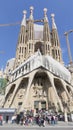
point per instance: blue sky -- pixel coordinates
(11, 12)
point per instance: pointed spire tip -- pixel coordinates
(24, 12)
(31, 12)
(53, 21)
(45, 9)
(31, 8)
(45, 15)
(52, 15)
(24, 18)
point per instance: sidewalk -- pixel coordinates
(65, 123)
(59, 124)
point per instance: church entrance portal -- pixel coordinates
(39, 105)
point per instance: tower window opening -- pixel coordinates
(46, 47)
(56, 52)
(20, 50)
(29, 46)
(53, 53)
(21, 39)
(55, 43)
(19, 57)
(25, 52)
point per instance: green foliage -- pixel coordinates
(3, 83)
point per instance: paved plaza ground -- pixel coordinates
(59, 126)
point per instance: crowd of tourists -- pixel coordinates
(41, 118)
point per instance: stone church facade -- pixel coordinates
(39, 79)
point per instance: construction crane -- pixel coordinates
(17, 23)
(14, 24)
(68, 45)
(9, 24)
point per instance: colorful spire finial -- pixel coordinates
(45, 14)
(24, 12)
(24, 18)
(31, 12)
(45, 11)
(53, 21)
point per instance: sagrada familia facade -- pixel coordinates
(39, 79)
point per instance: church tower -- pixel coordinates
(46, 33)
(56, 49)
(21, 45)
(30, 33)
(34, 37)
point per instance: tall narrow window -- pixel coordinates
(29, 46)
(20, 50)
(21, 39)
(53, 53)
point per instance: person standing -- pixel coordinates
(1, 119)
(7, 118)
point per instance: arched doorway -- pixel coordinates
(39, 105)
(39, 91)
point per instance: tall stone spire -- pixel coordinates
(30, 33)
(21, 46)
(46, 33)
(30, 24)
(56, 49)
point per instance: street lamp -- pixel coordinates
(68, 45)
